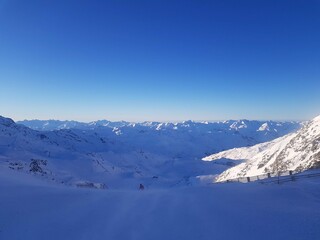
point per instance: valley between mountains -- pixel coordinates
(69, 180)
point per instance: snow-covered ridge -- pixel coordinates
(188, 138)
(297, 151)
(243, 153)
(121, 154)
(6, 121)
(237, 125)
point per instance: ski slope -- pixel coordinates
(34, 210)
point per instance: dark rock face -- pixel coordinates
(87, 184)
(36, 165)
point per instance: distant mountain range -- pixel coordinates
(297, 151)
(258, 131)
(49, 125)
(121, 154)
(186, 139)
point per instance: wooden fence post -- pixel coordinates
(292, 177)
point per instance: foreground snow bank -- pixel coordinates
(32, 209)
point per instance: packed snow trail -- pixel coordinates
(31, 209)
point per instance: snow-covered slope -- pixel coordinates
(31, 209)
(97, 158)
(39, 204)
(297, 151)
(242, 153)
(121, 154)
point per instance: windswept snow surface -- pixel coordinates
(31, 209)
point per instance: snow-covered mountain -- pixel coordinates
(50, 125)
(122, 154)
(239, 132)
(297, 151)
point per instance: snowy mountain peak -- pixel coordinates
(239, 124)
(6, 121)
(264, 127)
(188, 122)
(316, 119)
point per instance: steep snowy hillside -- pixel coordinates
(61, 157)
(243, 153)
(297, 151)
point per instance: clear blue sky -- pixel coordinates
(159, 60)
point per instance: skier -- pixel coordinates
(141, 187)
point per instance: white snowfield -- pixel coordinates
(297, 151)
(31, 209)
